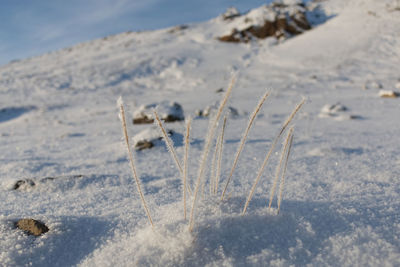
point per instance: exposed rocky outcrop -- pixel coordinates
(280, 19)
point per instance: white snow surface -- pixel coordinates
(59, 118)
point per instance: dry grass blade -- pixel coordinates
(279, 166)
(168, 142)
(290, 118)
(283, 175)
(209, 137)
(261, 170)
(244, 137)
(185, 165)
(132, 164)
(213, 168)
(220, 149)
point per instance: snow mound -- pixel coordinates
(222, 237)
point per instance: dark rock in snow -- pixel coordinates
(27, 184)
(207, 111)
(32, 227)
(230, 14)
(178, 28)
(151, 137)
(145, 144)
(388, 94)
(24, 183)
(279, 20)
(168, 112)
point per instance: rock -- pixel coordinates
(35, 183)
(145, 144)
(207, 111)
(337, 112)
(143, 120)
(280, 19)
(167, 111)
(388, 94)
(335, 108)
(149, 138)
(230, 13)
(178, 29)
(372, 85)
(27, 183)
(32, 227)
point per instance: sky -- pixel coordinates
(33, 27)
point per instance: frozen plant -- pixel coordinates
(214, 177)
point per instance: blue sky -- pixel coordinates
(33, 27)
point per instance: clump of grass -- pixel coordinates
(215, 172)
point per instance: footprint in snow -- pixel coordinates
(11, 113)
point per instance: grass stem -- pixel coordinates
(241, 146)
(282, 184)
(131, 160)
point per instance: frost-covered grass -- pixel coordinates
(205, 163)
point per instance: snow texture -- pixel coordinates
(59, 128)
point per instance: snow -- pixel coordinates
(58, 119)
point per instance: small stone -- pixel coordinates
(168, 112)
(32, 227)
(209, 110)
(329, 109)
(27, 183)
(178, 28)
(143, 145)
(150, 137)
(230, 13)
(388, 94)
(372, 85)
(337, 112)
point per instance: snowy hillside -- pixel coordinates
(63, 161)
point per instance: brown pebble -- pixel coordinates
(32, 227)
